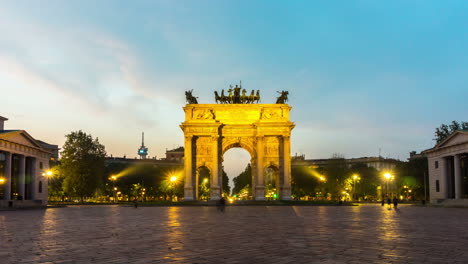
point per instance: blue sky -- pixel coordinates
(362, 75)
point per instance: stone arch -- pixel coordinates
(263, 130)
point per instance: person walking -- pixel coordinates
(395, 202)
(135, 202)
(389, 203)
(221, 204)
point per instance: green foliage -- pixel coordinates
(242, 180)
(336, 173)
(226, 187)
(82, 164)
(411, 174)
(204, 183)
(444, 130)
(153, 178)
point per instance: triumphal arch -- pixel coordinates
(237, 120)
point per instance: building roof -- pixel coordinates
(3, 118)
(7, 131)
(443, 142)
(179, 149)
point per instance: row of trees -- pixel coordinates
(359, 182)
(83, 173)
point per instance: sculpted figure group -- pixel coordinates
(235, 96)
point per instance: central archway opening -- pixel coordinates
(236, 164)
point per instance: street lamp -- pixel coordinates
(322, 180)
(113, 178)
(2, 181)
(173, 180)
(388, 177)
(355, 178)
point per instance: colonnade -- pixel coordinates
(19, 180)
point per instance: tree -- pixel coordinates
(82, 164)
(444, 130)
(336, 173)
(226, 187)
(242, 180)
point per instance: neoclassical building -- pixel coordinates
(448, 169)
(24, 162)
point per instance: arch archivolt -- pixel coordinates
(263, 130)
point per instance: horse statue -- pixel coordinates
(223, 97)
(283, 98)
(251, 97)
(244, 97)
(257, 97)
(190, 98)
(218, 98)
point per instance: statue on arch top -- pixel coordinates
(283, 98)
(190, 98)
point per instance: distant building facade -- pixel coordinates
(175, 154)
(379, 163)
(448, 169)
(24, 162)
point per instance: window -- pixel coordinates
(40, 187)
(436, 164)
(40, 165)
(437, 186)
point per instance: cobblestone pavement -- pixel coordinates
(243, 234)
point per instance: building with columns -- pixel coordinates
(23, 165)
(448, 169)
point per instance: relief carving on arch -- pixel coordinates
(271, 146)
(271, 114)
(204, 146)
(206, 114)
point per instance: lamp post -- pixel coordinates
(113, 178)
(355, 178)
(2, 191)
(322, 180)
(49, 175)
(173, 180)
(387, 176)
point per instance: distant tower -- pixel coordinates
(143, 151)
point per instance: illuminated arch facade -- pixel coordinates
(264, 130)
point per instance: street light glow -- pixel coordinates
(2, 180)
(113, 178)
(205, 180)
(173, 178)
(387, 176)
(49, 173)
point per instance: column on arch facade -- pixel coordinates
(286, 157)
(215, 188)
(259, 190)
(188, 169)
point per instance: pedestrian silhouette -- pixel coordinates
(135, 202)
(221, 204)
(395, 202)
(389, 203)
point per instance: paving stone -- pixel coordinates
(243, 234)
